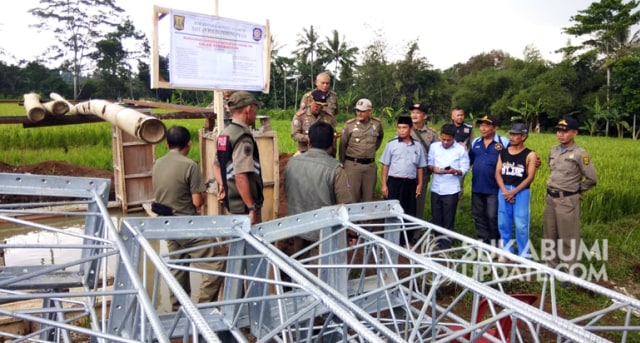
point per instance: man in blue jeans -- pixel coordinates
(514, 173)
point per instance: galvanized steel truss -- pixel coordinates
(369, 290)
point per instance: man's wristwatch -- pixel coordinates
(254, 207)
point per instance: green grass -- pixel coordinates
(610, 211)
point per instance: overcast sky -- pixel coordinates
(448, 31)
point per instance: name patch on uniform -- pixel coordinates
(223, 141)
(585, 159)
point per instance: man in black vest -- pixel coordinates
(237, 162)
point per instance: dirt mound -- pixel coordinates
(56, 168)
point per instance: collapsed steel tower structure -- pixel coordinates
(110, 288)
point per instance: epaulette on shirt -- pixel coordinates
(351, 120)
(467, 125)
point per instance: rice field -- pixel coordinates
(610, 211)
(90, 145)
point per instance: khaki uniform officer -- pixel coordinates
(360, 139)
(425, 135)
(571, 173)
(323, 82)
(302, 121)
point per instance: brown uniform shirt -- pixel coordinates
(425, 136)
(360, 139)
(571, 170)
(332, 102)
(302, 122)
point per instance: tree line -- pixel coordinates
(97, 46)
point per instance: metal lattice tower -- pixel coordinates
(370, 291)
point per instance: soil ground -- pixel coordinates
(68, 169)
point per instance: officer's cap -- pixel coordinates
(420, 107)
(319, 97)
(567, 123)
(489, 119)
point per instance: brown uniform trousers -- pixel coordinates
(211, 284)
(359, 142)
(571, 173)
(425, 136)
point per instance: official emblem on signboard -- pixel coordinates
(178, 22)
(257, 34)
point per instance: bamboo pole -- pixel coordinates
(35, 110)
(146, 128)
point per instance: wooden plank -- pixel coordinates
(164, 105)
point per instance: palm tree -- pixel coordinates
(308, 47)
(338, 52)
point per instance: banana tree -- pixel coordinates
(527, 112)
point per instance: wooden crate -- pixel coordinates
(267, 141)
(132, 166)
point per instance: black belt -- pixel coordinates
(359, 160)
(557, 194)
(401, 179)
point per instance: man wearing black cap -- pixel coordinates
(401, 178)
(515, 171)
(303, 120)
(237, 163)
(571, 173)
(425, 135)
(483, 157)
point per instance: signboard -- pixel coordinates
(209, 52)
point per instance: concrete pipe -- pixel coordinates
(35, 110)
(56, 107)
(146, 128)
(57, 97)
